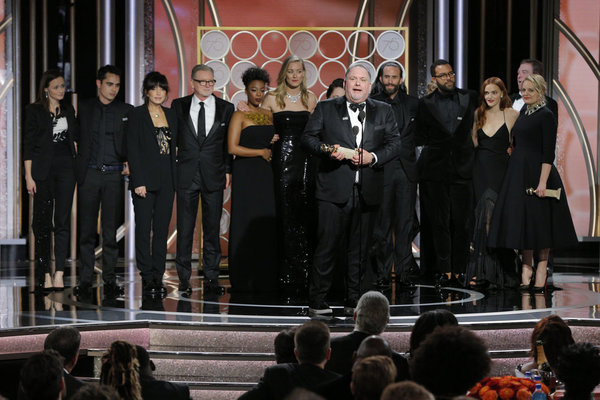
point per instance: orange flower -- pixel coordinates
(474, 390)
(504, 381)
(523, 394)
(490, 395)
(506, 393)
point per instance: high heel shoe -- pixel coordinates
(57, 281)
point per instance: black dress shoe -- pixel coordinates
(404, 283)
(148, 287)
(84, 291)
(212, 286)
(319, 309)
(184, 286)
(160, 287)
(442, 280)
(112, 290)
(383, 284)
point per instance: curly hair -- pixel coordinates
(578, 367)
(555, 335)
(255, 74)
(450, 361)
(120, 369)
(504, 100)
(426, 323)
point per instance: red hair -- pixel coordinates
(504, 100)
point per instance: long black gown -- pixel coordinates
(521, 221)
(294, 193)
(252, 234)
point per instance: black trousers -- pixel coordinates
(52, 205)
(448, 209)
(187, 211)
(101, 190)
(396, 222)
(341, 226)
(152, 217)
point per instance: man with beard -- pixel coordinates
(397, 211)
(444, 124)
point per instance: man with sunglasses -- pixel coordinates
(203, 172)
(444, 124)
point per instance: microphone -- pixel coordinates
(355, 130)
(361, 116)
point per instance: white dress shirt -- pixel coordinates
(209, 112)
(518, 104)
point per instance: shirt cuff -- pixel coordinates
(374, 159)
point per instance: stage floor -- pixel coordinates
(579, 297)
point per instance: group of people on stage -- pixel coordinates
(316, 186)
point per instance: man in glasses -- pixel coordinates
(444, 124)
(203, 172)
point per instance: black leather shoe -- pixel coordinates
(212, 286)
(442, 280)
(148, 287)
(319, 309)
(83, 291)
(184, 286)
(160, 287)
(404, 283)
(112, 290)
(383, 284)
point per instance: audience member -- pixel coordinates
(312, 350)
(406, 391)
(336, 89)
(120, 369)
(96, 392)
(66, 340)
(370, 376)
(578, 367)
(284, 346)
(153, 388)
(303, 394)
(426, 323)
(450, 361)
(42, 378)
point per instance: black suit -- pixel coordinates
(153, 389)
(445, 168)
(397, 212)
(345, 207)
(72, 384)
(52, 169)
(279, 380)
(157, 173)
(98, 186)
(202, 163)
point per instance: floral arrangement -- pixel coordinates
(505, 388)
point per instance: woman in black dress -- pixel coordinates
(252, 232)
(291, 104)
(151, 139)
(494, 119)
(49, 151)
(532, 222)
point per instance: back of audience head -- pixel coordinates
(66, 341)
(96, 392)
(578, 366)
(42, 376)
(331, 90)
(372, 313)
(284, 346)
(120, 368)
(303, 394)
(450, 361)
(373, 345)
(311, 343)
(426, 323)
(406, 390)
(146, 364)
(370, 376)
(555, 335)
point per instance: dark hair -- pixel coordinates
(536, 65)
(373, 345)
(555, 335)
(66, 341)
(578, 367)
(338, 82)
(96, 392)
(426, 323)
(120, 368)
(255, 74)
(41, 376)
(450, 361)
(437, 63)
(107, 69)
(371, 375)
(393, 64)
(152, 80)
(504, 100)
(47, 77)
(144, 360)
(284, 346)
(406, 390)
(312, 342)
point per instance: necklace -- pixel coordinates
(293, 99)
(531, 109)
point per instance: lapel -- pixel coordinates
(430, 104)
(187, 104)
(370, 122)
(342, 110)
(149, 127)
(463, 100)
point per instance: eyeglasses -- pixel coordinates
(445, 76)
(205, 83)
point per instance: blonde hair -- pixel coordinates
(281, 89)
(120, 369)
(539, 84)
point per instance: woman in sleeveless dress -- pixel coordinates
(532, 222)
(252, 240)
(291, 104)
(494, 119)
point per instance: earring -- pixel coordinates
(46, 95)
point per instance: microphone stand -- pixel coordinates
(361, 119)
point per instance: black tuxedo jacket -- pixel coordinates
(207, 154)
(405, 110)
(279, 380)
(142, 148)
(153, 389)
(37, 137)
(446, 151)
(72, 384)
(85, 116)
(330, 124)
(550, 103)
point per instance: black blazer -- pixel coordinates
(142, 148)
(445, 151)
(37, 137)
(153, 389)
(405, 110)
(72, 384)
(279, 380)
(330, 124)
(85, 116)
(208, 154)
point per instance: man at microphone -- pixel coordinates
(353, 136)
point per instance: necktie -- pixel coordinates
(200, 129)
(355, 107)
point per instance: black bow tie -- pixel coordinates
(357, 106)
